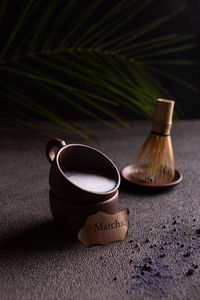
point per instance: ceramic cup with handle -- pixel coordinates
(82, 181)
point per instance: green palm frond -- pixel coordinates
(75, 57)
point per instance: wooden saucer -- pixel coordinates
(128, 176)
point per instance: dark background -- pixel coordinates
(186, 22)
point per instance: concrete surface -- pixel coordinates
(160, 259)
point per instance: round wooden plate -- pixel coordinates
(128, 176)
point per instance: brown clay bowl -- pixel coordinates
(78, 156)
(73, 215)
(128, 175)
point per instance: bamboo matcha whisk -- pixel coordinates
(155, 159)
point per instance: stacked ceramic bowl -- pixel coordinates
(82, 182)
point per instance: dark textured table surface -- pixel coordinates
(39, 261)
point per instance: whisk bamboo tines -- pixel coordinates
(155, 159)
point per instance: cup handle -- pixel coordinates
(50, 147)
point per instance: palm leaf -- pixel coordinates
(2, 9)
(20, 98)
(174, 78)
(129, 37)
(17, 27)
(106, 32)
(91, 66)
